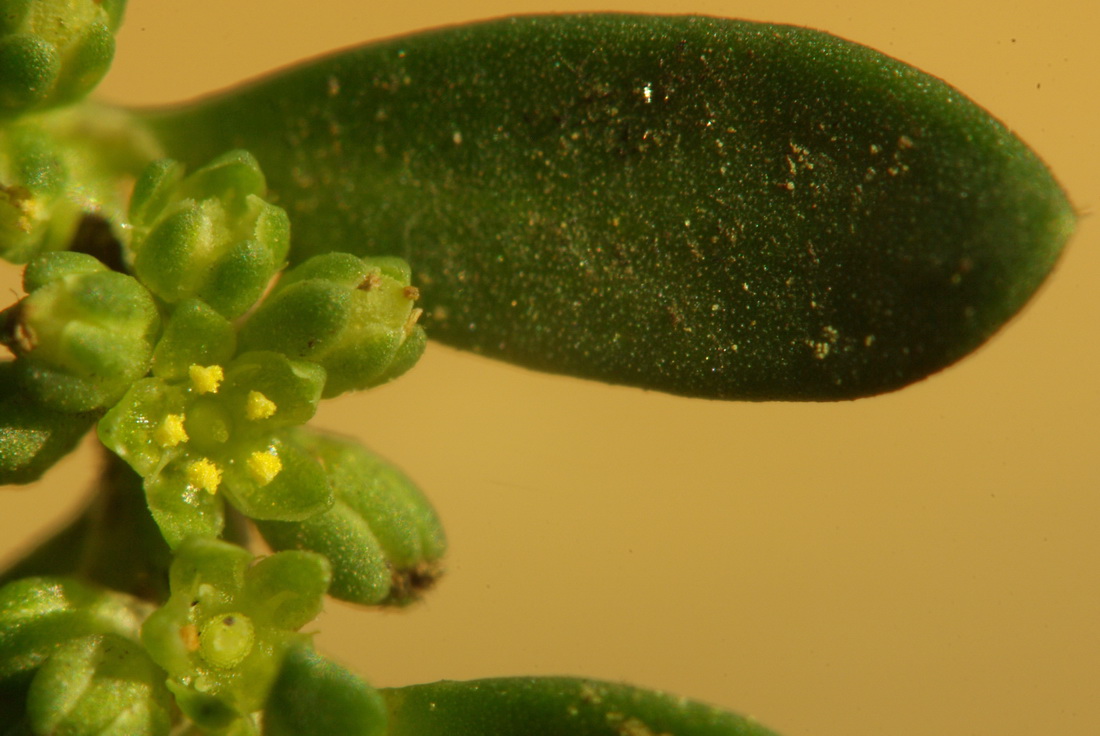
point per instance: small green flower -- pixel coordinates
(54, 51)
(215, 433)
(222, 635)
(354, 316)
(82, 335)
(208, 235)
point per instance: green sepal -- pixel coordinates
(355, 317)
(38, 614)
(130, 429)
(102, 685)
(222, 634)
(209, 235)
(299, 490)
(287, 589)
(293, 386)
(382, 536)
(182, 511)
(558, 705)
(54, 51)
(83, 337)
(314, 696)
(32, 437)
(194, 334)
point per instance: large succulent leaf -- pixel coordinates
(553, 706)
(703, 206)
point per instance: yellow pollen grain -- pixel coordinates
(171, 432)
(259, 406)
(263, 467)
(206, 380)
(204, 474)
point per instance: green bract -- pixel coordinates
(381, 535)
(54, 51)
(222, 635)
(82, 335)
(209, 235)
(214, 432)
(354, 316)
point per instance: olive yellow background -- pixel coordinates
(926, 562)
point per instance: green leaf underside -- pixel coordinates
(703, 206)
(552, 706)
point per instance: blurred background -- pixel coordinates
(922, 562)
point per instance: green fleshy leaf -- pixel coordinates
(38, 614)
(316, 697)
(714, 208)
(101, 685)
(558, 705)
(33, 438)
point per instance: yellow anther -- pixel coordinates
(410, 323)
(204, 474)
(264, 466)
(171, 432)
(206, 379)
(259, 406)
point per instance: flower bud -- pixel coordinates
(381, 535)
(209, 235)
(354, 316)
(82, 335)
(54, 51)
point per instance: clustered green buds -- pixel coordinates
(209, 235)
(354, 316)
(223, 633)
(54, 51)
(82, 335)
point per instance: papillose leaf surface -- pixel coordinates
(553, 706)
(708, 207)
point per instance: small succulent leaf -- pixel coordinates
(32, 437)
(38, 614)
(381, 535)
(559, 705)
(288, 588)
(298, 320)
(154, 190)
(194, 334)
(102, 685)
(316, 697)
(58, 266)
(714, 208)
